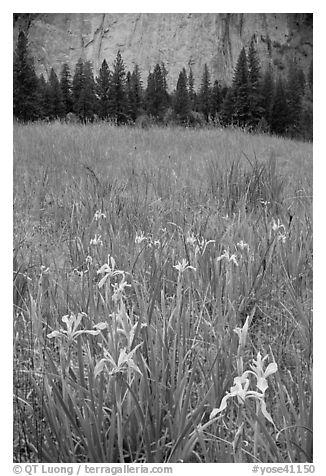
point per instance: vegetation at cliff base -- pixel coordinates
(257, 100)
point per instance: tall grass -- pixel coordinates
(136, 255)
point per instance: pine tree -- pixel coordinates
(216, 99)
(310, 77)
(77, 86)
(65, 84)
(118, 98)
(156, 93)
(224, 92)
(254, 72)
(136, 94)
(128, 95)
(83, 91)
(227, 108)
(280, 112)
(240, 86)
(307, 114)
(191, 90)
(43, 98)
(150, 95)
(204, 98)
(102, 89)
(267, 94)
(25, 82)
(165, 95)
(90, 100)
(301, 81)
(307, 108)
(181, 99)
(254, 91)
(294, 93)
(56, 107)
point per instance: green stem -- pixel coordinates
(256, 430)
(238, 438)
(119, 419)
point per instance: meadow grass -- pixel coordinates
(137, 254)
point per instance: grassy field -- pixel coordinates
(162, 295)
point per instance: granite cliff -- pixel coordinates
(180, 40)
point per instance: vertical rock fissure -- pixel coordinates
(226, 36)
(100, 34)
(241, 24)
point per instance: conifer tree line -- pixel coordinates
(256, 99)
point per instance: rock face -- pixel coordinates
(180, 40)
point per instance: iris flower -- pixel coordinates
(181, 267)
(72, 323)
(96, 240)
(241, 391)
(119, 290)
(242, 245)
(108, 270)
(140, 238)
(276, 226)
(98, 215)
(125, 362)
(242, 333)
(226, 255)
(260, 373)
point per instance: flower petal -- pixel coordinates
(265, 412)
(222, 407)
(123, 357)
(101, 326)
(104, 269)
(54, 334)
(99, 367)
(262, 384)
(77, 321)
(93, 333)
(105, 277)
(270, 369)
(214, 412)
(68, 321)
(135, 367)
(224, 402)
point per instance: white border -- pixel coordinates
(6, 188)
